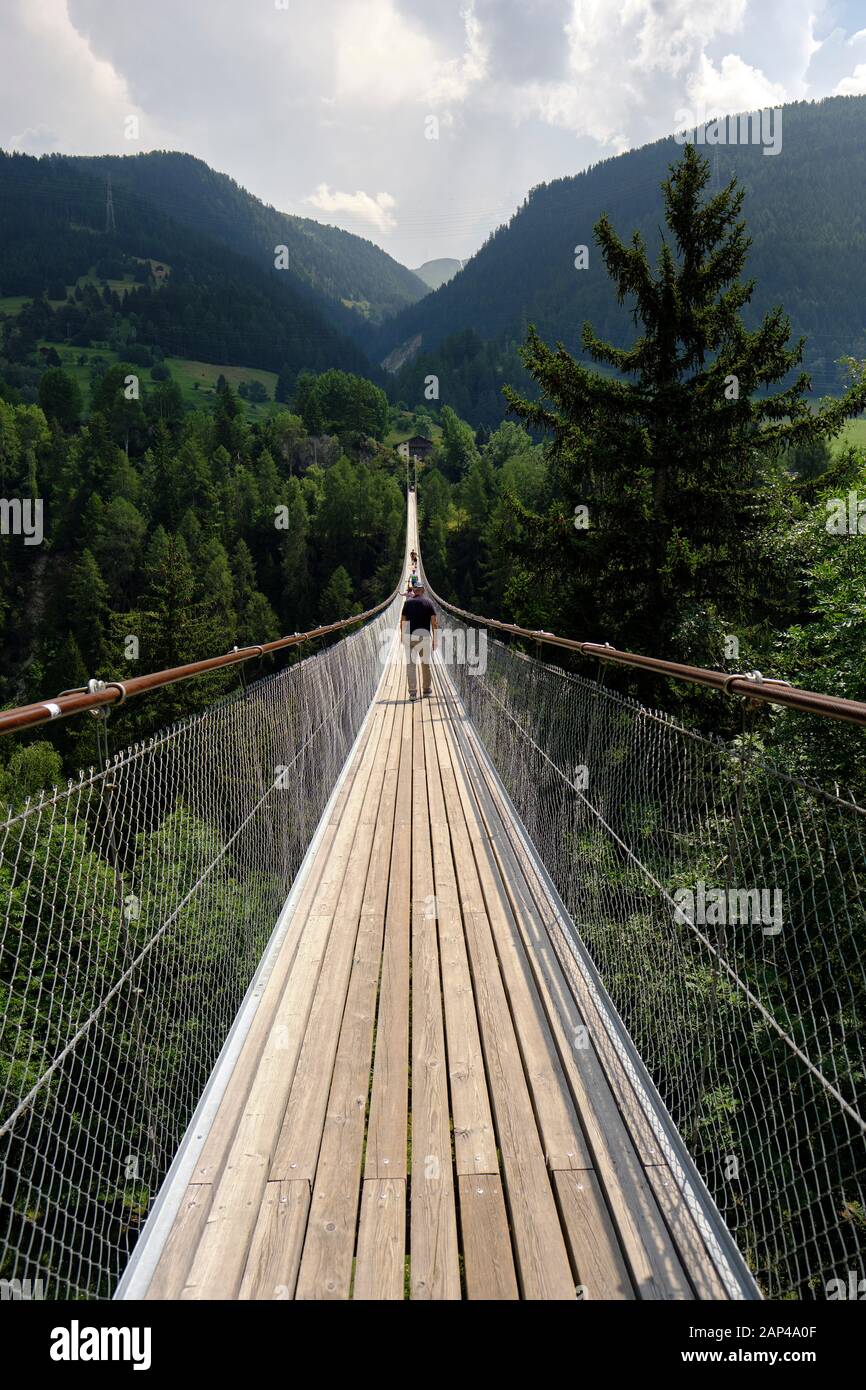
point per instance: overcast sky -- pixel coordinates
(324, 107)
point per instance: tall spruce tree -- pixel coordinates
(672, 454)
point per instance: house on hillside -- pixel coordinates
(415, 448)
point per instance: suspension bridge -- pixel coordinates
(323, 994)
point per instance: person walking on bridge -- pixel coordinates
(419, 614)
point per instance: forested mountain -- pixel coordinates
(194, 297)
(354, 278)
(806, 216)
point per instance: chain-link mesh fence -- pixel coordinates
(135, 905)
(722, 902)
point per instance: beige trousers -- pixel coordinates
(418, 654)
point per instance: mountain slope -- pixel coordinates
(804, 210)
(438, 272)
(355, 278)
(214, 305)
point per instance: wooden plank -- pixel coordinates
(272, 1263)
(221, 1133)
(487, 1256)
(654, 1264)
(388, 1123)
(474, 1135)
(380, 1266)
(221, 1255)
(297, 1149)
(170, 1273)
(540, 1253)
(326, 1261)
(596, 1258)
(561, 1133)
(433, 1224)
(684, 1229)
(326, 1264)
(565, 984)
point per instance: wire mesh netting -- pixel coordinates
(135, 905)
(722, 902)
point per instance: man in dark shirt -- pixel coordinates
(419, 613)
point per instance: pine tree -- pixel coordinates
(178, 624)
(118, 545)
(260, 622)
(67, 670)
(88, 607)
(673, 455)
(60, 397)
(336, 524)
(336, 600)
(295, 562)
(216, 595)
(435, 506)
(168, 617)
(243, 578)
(229, 428)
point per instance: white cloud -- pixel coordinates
(384, 59)
(628, 68)
(673, 35)
(852, 86)
(378, 211)
(38, 139)
(733, 86)
(453, 80)
(57, 93)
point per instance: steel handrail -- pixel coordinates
(102, 693)
(750, 684)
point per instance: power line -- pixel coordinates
(109, 207)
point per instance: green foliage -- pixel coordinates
(809, 459)
(825, 648)
(458, 452)
(60, 398)
(170, 539)
(31, 768)
(339, 403)
(337, 597)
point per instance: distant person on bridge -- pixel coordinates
(420, 615)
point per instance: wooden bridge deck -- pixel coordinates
(413, 1112)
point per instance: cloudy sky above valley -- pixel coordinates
(323, 107)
